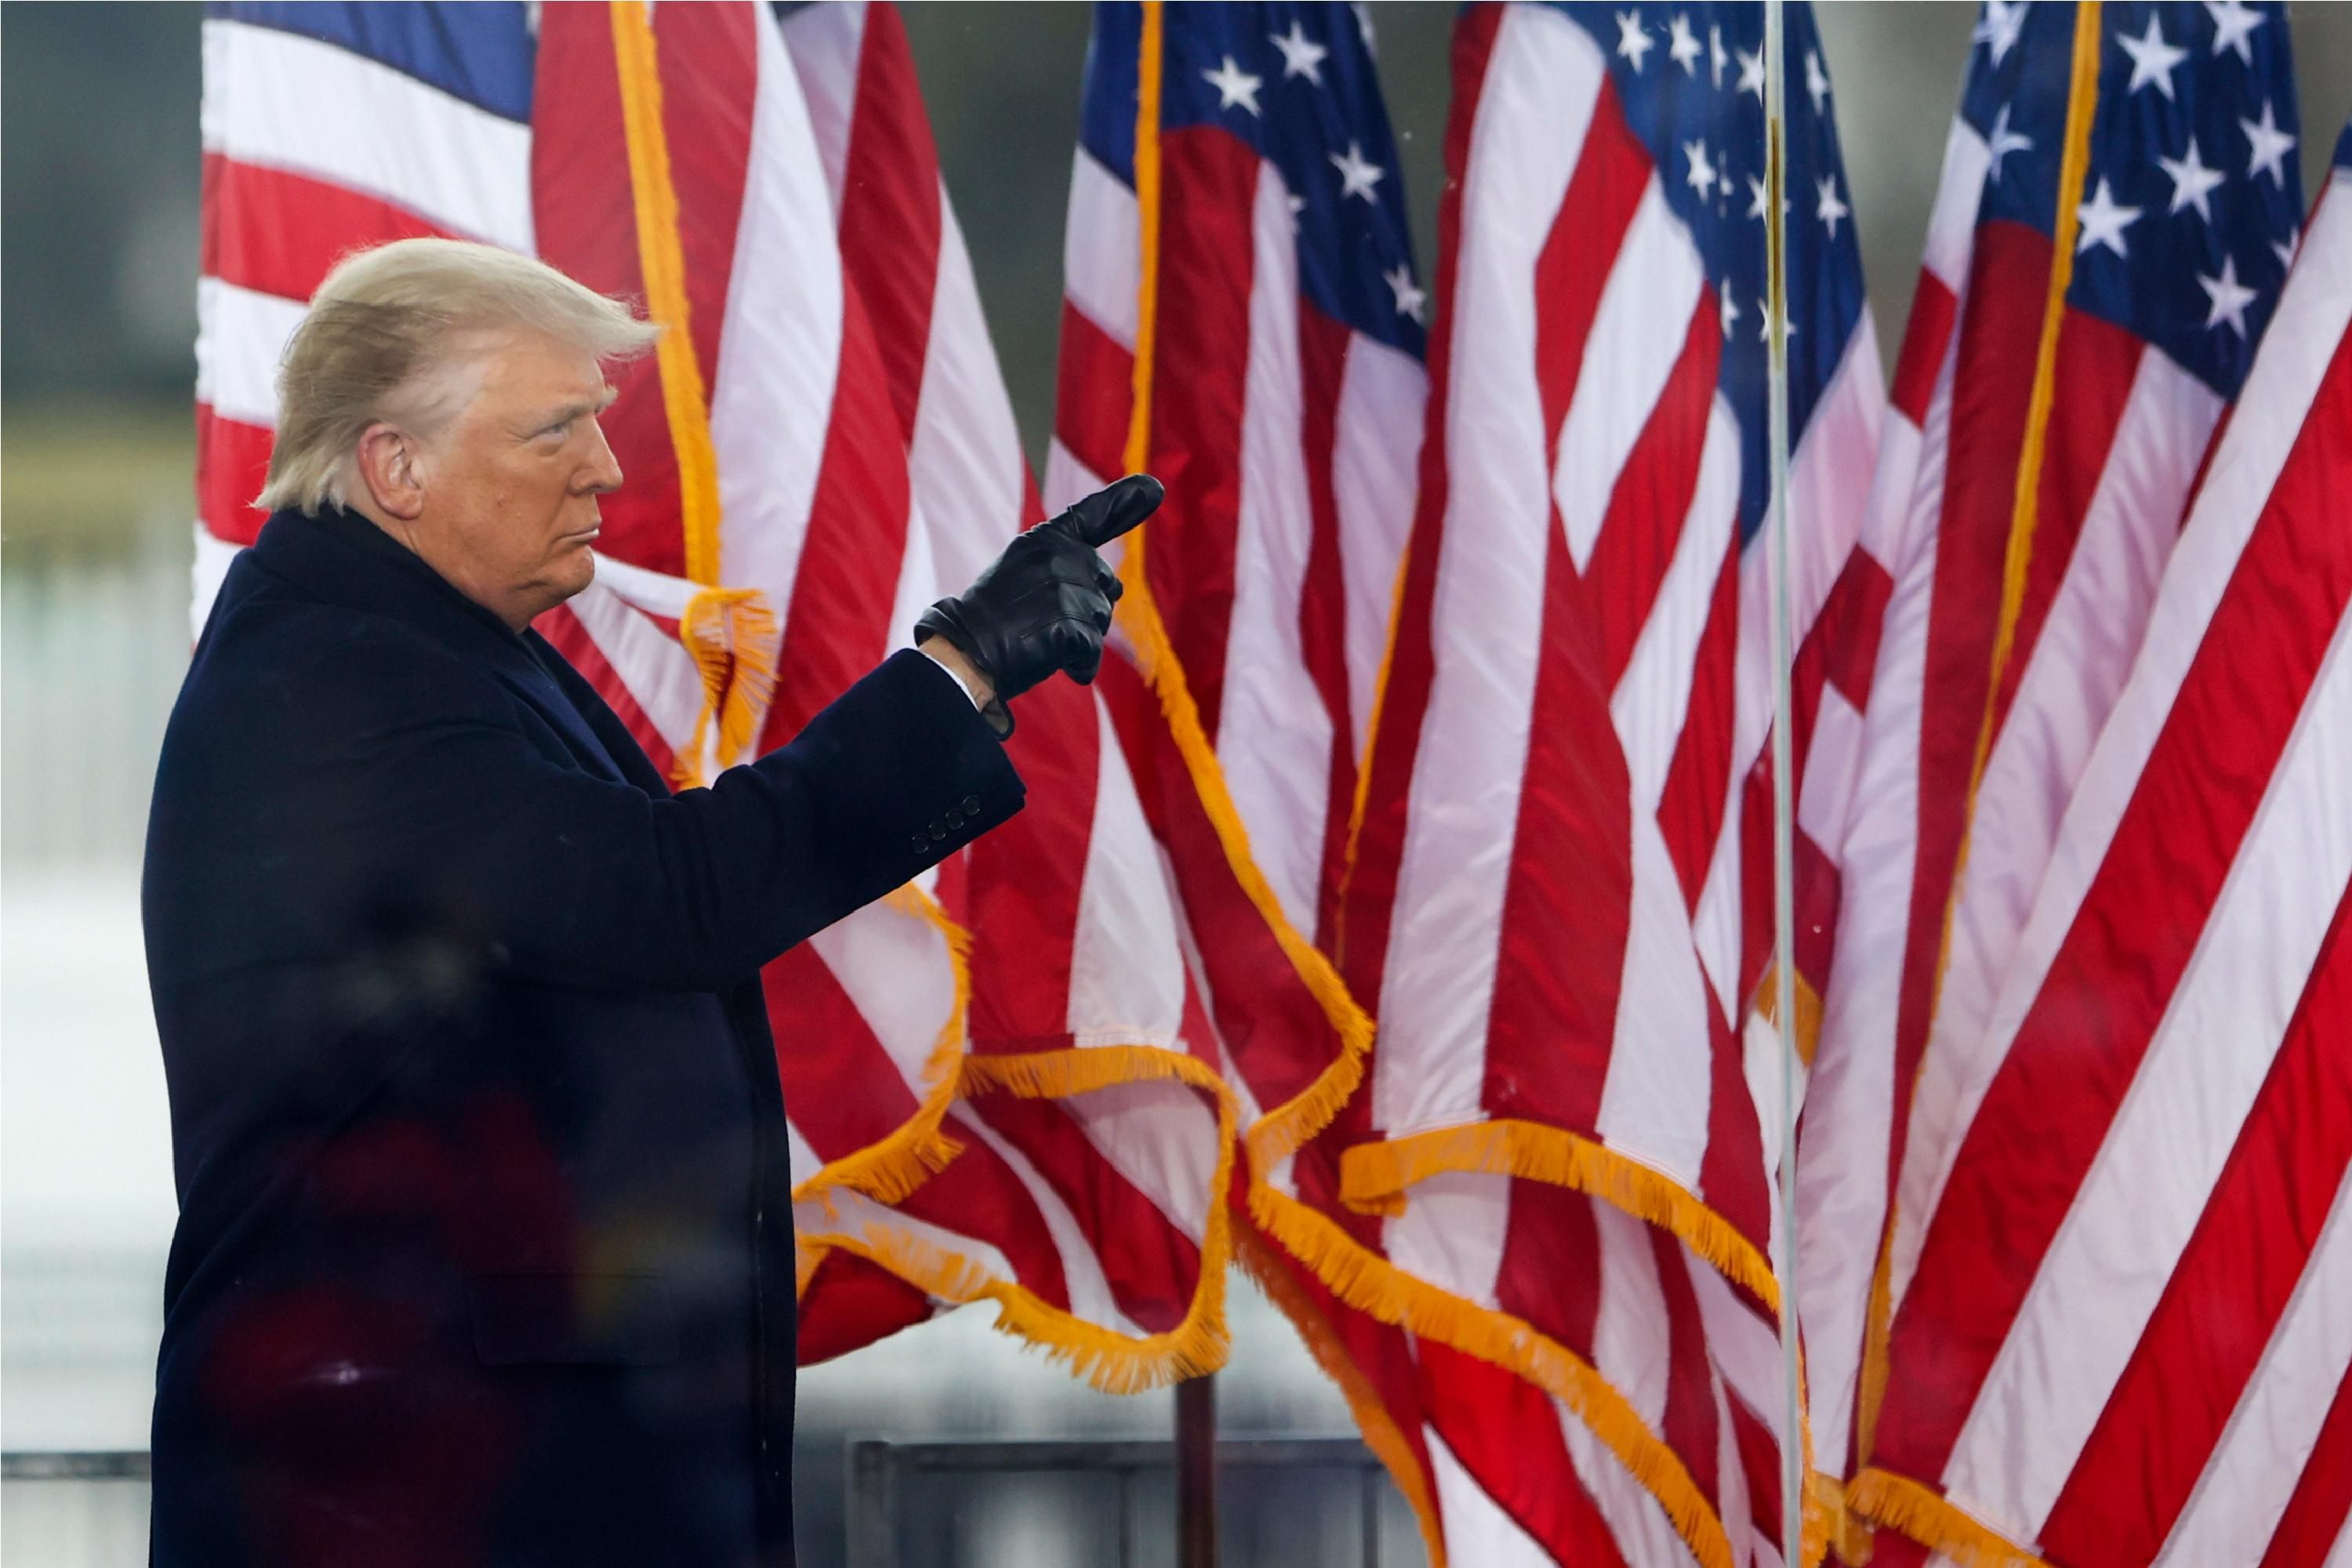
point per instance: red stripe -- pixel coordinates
(710, 73)
(1587, 230)
(586, 223)
(1362, 941)
(2097, 363)
(1689, 1424)
(2008, 278)
(1550, 1269)
(1198, 392)
(1698, 785)
(278, 232)
(1843, 645)
(1323, 346)
(1933, 308)
(2207, 1334)
(232, 463)
(570, 638)
(850, 1303)
(1277, 1032)
(890, 208)
(837, 627)
(1731, 1173)
(1567, 903)
(1759, 1456)
(1024, 878)
(2047, 1109)
(1643, 524)
(2317, 1511)
(1094, 394)
(1152, 1268)
(1507, 1434)
(845, 1094)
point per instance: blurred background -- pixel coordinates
(98, 206)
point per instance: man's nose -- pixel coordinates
(601, 474)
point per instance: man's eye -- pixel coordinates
(560, 429)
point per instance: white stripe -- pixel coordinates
(1066, 479)
(772, 401)
(2155, 1172)
(964, 463)
(1842, 1167)
(1162, 1137)
(1629, 1328)
(1273, 734)
(894, 968)
(661, 677)
(241, 335)
(1638, 332)
(279, 101)
(1477, 1528)
(1127, 966)
(1655, 1098)
(1102, 255)
(1830, 768)
(1375, 475)
(1452, 1233)
(825, 42)
(1486, 619)
(2068, 687)
(2252, 1473)
(2313, 314)
(1654, 695)
(1952, 221)
(1744, 1347)
(1838, 447)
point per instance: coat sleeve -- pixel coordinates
(442, 799)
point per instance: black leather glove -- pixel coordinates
(1045, 604)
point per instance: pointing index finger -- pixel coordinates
(1115, 510)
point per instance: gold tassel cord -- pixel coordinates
(661, 256)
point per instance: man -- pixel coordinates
(484, 1252)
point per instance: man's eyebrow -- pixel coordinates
(596, 404)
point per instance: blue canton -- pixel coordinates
(1297, 83)
(1691, 81)
(2189, 210)
(484, 54)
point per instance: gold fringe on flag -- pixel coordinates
(1901, 1503)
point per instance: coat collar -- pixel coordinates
(342, 558)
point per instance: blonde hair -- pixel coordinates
(390, 336)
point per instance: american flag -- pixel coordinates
(1237, 225)
(2149, 1214)
(822, 444)
(1561, 892)
(2119, 198)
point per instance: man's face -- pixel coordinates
(511, 481)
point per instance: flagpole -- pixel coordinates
(1196, 1472)
(1784, 970)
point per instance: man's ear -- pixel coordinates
(392, 466)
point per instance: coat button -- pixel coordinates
(921, 845)
(971, 805)
(938, 830)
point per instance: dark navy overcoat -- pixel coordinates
(484, 1253)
